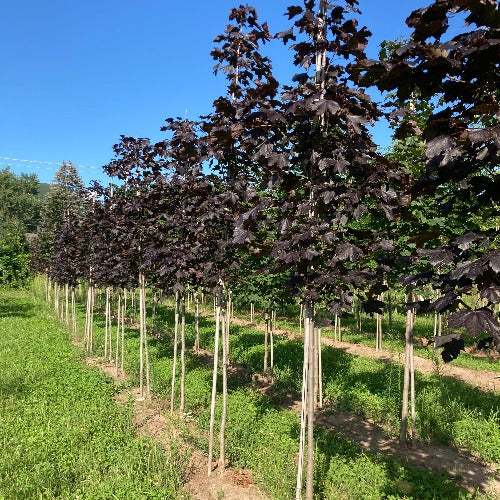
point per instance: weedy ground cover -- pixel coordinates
(448, 411)
(263, 436)
(61, 433)
(393, 338)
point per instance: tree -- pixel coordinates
(66, 199)
(461, 151)
(19, 198)
(19, 214)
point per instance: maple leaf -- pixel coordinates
(475, 322)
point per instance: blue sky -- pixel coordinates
(77, 75)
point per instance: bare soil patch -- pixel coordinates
(485, 380)
(151, 417)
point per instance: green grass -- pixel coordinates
(263, 436)
(61, 433)
(448, 410)
(393, 339)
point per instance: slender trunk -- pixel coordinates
(91, 320)
(183, 350)
(176, 334)
(222, 435)
(153, 314)
(197, 323)
(230, 306)
(141, 343)
(66, 311)
(56, 299)
(144, 354)
(73, 310)
(124, 313)
(251, 312)
(301, 315)
(389, 309)
(310, 405)
(217, 304)
(106, 323)
(303, 412)
(412, 395)
(316, 373)
(271, 339)
(320, 370)
(145, 333)
(87, 323)
(266, 334)
(406, 378)
(118, 321)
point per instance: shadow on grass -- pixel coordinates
(12, 307)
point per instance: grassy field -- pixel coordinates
(61, 433)
(263, 436)
(393, 340)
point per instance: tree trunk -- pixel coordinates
(222, 435)
(389, 309)
(73, 311)
(183, 351)
(316, 373)
(176, 334)
(412, 385)
(320, 370)
(56, 299)
(66, 310)
(310, 404)
(266, 335)
(124, 313)
(217, 304)
(301, 315)
(106, 323)
(145, 333)
(196, 323)
(406, 378)
(271, 339)
(153, 314)
(141, 341)
(303, 413)
(117, 346)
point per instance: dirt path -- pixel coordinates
(485, 380)
(466, 469)
(152, 418)
(463, 468)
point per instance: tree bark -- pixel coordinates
(303, 414)
(117, 346)
(197, 324)
(176, 334)
(183, 351)
(217, 304)
(310, 405)
(222, 435)
(122, 361)
(73, 311)
(406, 378)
